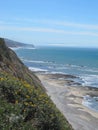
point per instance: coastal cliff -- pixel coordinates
(12, 44)
(10, 63)
(24, 105)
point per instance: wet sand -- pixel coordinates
(68, 97)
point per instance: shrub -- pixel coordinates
(23, 107)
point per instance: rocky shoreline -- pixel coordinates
(68, 96)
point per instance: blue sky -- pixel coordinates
(50, 22)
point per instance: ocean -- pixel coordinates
(80, 62)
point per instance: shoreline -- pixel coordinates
(68, 97)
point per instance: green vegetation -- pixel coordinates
(24, 107)
(10, 63)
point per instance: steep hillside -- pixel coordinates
(11, 43)
(23, 103)
(9, 62)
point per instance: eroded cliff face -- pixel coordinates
(10, 63)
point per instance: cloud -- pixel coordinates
(31, 29)
(77, 25)
(60, 23)
(27, 21)
(47, 30)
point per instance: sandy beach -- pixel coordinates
(68, 97)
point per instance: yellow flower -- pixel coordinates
(30, 102)
(33, 105)
(1, 79)
(27, 96)
(16, 101)
(26, 103)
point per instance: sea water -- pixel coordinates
(80, 62)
